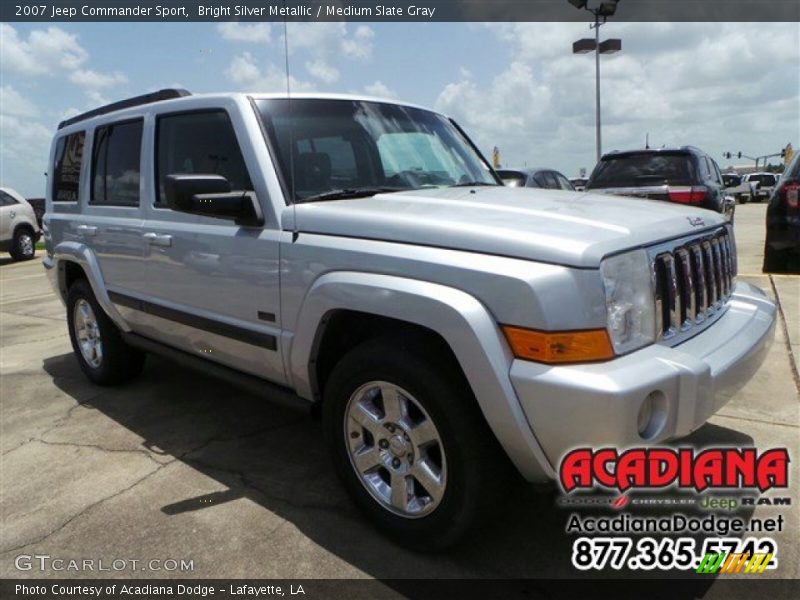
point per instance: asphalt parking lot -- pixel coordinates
(179, 466)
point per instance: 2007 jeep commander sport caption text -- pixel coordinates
(361, 256)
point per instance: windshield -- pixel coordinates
(763, 179)
(635, 170)
(330, 149)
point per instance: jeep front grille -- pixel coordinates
(692, 282)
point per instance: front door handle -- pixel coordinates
(155, 239)
(87, 230)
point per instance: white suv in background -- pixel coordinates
(19, 230)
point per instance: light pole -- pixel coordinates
(610, 46)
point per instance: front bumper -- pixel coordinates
(598, 404)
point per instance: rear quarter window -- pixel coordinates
(643, 169)
(67, 167)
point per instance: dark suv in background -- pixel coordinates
(782, 246)
(685, 175)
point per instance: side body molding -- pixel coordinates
(463, 322)
(81, 254)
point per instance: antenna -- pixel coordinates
(295, 232)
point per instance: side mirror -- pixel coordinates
(211, 196)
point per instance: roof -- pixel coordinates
(665, 150)
(526, 170)
(172, 94)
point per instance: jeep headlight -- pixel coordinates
(630, 308)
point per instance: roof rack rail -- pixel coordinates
(165, 94)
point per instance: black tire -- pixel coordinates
(775, 261)
(119, 362)
(477, 468)
(23, 246)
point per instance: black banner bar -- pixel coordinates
(707, 587)
(392, 10)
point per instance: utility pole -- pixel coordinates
(610, 46)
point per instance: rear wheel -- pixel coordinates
(23, 246)
(102, 353)
(410, 444)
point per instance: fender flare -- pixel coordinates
(81, 254)
(459, 318)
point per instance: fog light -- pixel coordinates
(652, 415)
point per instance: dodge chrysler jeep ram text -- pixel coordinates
(361, 256)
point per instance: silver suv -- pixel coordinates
(361, 256)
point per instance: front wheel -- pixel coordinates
(23, 246)
(410, 444)
(103, 355)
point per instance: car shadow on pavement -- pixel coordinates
(277, 459)
(6, 260)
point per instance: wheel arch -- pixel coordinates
(73, 260)
(459, 320)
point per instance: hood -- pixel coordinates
(568, 228)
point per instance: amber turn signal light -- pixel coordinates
(559, 347)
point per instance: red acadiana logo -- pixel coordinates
(649, 468)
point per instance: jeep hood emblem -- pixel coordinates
(696, 221)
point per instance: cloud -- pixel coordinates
(321, 70)
(326, 40)
(45, 51)
(250, 76)
(718, 86)
(23, 151)
(256, 33)
(379, 90)
(13, 103)
(87, 78)
(321, 48)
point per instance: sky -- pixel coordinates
(719, 86)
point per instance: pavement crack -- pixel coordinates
(145, 453)
(752, 420)
(787, 340)
(53, 426)
(18, 314)
(85, 510)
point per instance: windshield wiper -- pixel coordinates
(475, 184)
(346, 193)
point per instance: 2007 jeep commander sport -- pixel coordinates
(361, 256)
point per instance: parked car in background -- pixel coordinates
(579, 183)
(684, 175)
(736, 187)
(782, 245)
(761, 185)
(547, 179)
(19, 230)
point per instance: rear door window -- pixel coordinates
(116, 160)
(67, 167)
(539, 180)
(636, 170)
(563, 183)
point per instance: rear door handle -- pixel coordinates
(87, 230)
(155, 239)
